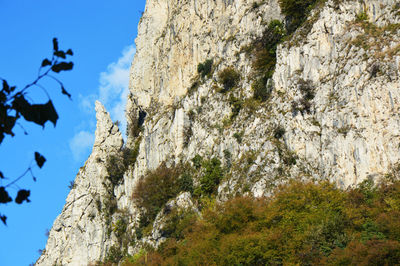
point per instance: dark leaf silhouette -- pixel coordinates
(41, 113)
(6, 87)
(4, 197)
(60, 54)
(46, 62)
(3, 97)
(62, 66)
(55, 44)
(22, 196)
(21, 105)
(37, 113)
(63, 91)
(40, 160)
(3, 218)
(8, 124)
(15, 105)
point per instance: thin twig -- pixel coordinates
(40, 86)
(18, 178)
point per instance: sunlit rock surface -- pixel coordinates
(350, 133)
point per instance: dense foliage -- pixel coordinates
(153, 191)
(157, 187)
(303, 223)
(229, 78)
(212, 175)
(205, 68)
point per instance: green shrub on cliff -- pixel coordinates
(155, 189)
(212, 175)
(229, 78)
(296, 11)
(304, 223)
(205, 68)
(265, 58)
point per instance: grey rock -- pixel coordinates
(351, 132)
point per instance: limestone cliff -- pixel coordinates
(332, 111)
(78, 235)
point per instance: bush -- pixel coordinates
(265, 58)
(115, 169)
(135, 125)
(129, 156)
(255, 5)
(279, 131)
(187, 134)
(361, 17)
(205, 68)
(131, 260)
(212, 175)
(238, 136)
(197, 161)
(119, 228)
(178, 222)
(114, 255)
(260, 90)
(229, 78)
(185, 182)
(304, 223)
(195, 85)
(266, 47)
(296, 11)
(236, 105)
(117, 164)
(109, 206)
(306, 88)
(373, 252)
(155, 189)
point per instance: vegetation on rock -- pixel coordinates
(296, 11)
(304, 223)
(229, 78)
(304, 104)
(155, 189)
(205, 68)
(265, 58)
(212, 175)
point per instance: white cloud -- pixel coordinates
(112, 93)
(81, 144)
(118, 110)
(86, 103)
(114, 85)
(115, 80)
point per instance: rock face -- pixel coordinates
(175, 36)
(355, 118)
(345, 58)
(78, 235)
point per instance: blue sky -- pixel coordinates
(101, 34)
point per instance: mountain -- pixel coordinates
(235, 97)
